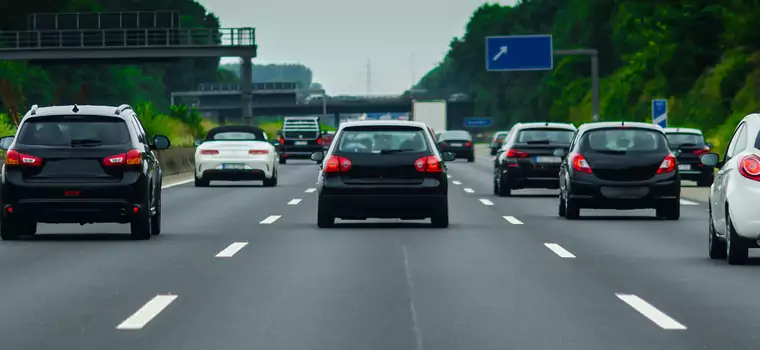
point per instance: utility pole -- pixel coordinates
(369, 78)
(414, 73)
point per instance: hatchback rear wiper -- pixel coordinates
(391, 151)
(86, 142)
(610, 151)
(537, 142)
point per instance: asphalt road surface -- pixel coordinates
(239, 266)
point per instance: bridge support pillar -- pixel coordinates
(246, 89)
(337, 119)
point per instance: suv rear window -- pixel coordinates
(685, 139)
(545, 135)
(625, 140)
(74, 131)
(383, 139)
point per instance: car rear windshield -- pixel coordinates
(684, 139)
(545, 135)
(455, 135)
(238, 136)
(501, 136)
(74, 131)
(624, 140)
(383, 140)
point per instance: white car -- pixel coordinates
(734, 225)
(235, 153)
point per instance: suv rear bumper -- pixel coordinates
(299, 152)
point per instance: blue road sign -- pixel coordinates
(519, 52)
(477, 122)
(660, 112)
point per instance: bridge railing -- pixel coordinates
(255, 86)
(109, 38)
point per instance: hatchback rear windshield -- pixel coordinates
(501, 136)
(74, 131)
(684, 139)
(383, 140)
(455, 135)
(238, 136)
(545, 135)
(624, 140)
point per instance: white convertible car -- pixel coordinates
(235, 153)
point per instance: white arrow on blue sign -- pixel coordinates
(477, 122)
(519, 53)
(660, 112)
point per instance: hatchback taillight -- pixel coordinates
(13, 157)
(668, 164)
(749, 167)
(132, 157)
(581, 165)
(513, 153)
(700, 152)
(428, 164)
(337, 164)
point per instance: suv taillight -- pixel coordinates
(132, 157)
(282, 140)
(428, 164)
(668, 164)
(12, 157)
(337, 164)
(749, 167)
(319, 140)
(580, 164)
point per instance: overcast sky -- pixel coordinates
(402, 39)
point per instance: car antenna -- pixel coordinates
(75, 109)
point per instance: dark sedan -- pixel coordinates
(458, 142)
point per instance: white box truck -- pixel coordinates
(432, 113)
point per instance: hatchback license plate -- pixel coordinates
(684, 167)
(301, 143)
(456, 145)
(233, 166)
(549, 160)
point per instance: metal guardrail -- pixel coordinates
(255, 86)
(110, 38)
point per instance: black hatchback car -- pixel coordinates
(527, 160)
(688, 145)
(619, 165)
(382, 169)
(81, 164)
(458, 142)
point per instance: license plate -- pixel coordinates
(456, 145)
(550, 160)
(684, 167)
(233, 166)
(301, 143)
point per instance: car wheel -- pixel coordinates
(324, 218)
(561, 211)
(440, 218)
(283, 160)
(737, 249)
(717, 246)
(495, 186)
(155, 223)
(141, 225)
(273, 181)
(471, 159)
(705, 180)
(504, 189)
(493, 152)
(201, 182)
(670, 210)
(572, 209)
(12, 229)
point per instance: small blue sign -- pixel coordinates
(477, 122)
(519, 53)
(660, 112)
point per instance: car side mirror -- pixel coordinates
(198, 142)
(708, 159)
(559, 153)
(5, 142)
(709, 144)
(317, 156)
(495, 145)
(448, 156)
(275, 142)
(161, 142)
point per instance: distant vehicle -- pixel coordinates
(457, 97)
(81, 164)
(299, 138)
(458, 142)
(432, 113)
(619, 165)
(688, 145)
(327, 138)
(527, 158)
(382, 169)
(235, 153)
(734, 226)
(497, 141)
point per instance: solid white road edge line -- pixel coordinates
(310, 190)
(177, 183)
(270, 219)
(650, 312)
(456, 182)
(294, 201)
(231, 250)
(561, 252)
(485, 201)
(147, 312)
(688, 202)
(449, 176)
(512, 220)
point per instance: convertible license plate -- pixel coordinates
(549, 160)
(233, 166)
(301, 143)
(684, 167)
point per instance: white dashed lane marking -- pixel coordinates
(294, 201)
(310, 190)
(688, 202)
(512, 220)
(145, 314)
(486, 201)
(469, 190)
(456, 182)
(561, 252)
(231, 250)
(650, 312)
(270, 219)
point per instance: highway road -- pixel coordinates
(240, 266)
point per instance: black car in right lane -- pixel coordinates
(619, 165)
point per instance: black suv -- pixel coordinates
(299, 138)
(81, 164)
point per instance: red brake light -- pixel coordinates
(337, 164)
(668, 164)
(749, 167)
(428, 164)
(319, 141)
(209, 151)
(282, 140)
(15, 158)
(513, 153)
(468, 144)
(581, 165)
(132, 157)
(258, 151)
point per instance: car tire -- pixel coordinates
(493, 152)
(440, 218)
(737, 249)
(716, 246)
(670, 210)
(283, 160)
(572, 209)
(706, 180)
(271, 182)
(202, 182)
(12, 229)
(471, 159)
(141, 225)
(495, 186)
(504, 189)
(561, 211)
(155, 222)
(324, 218)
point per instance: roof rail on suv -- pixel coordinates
(122, 108)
